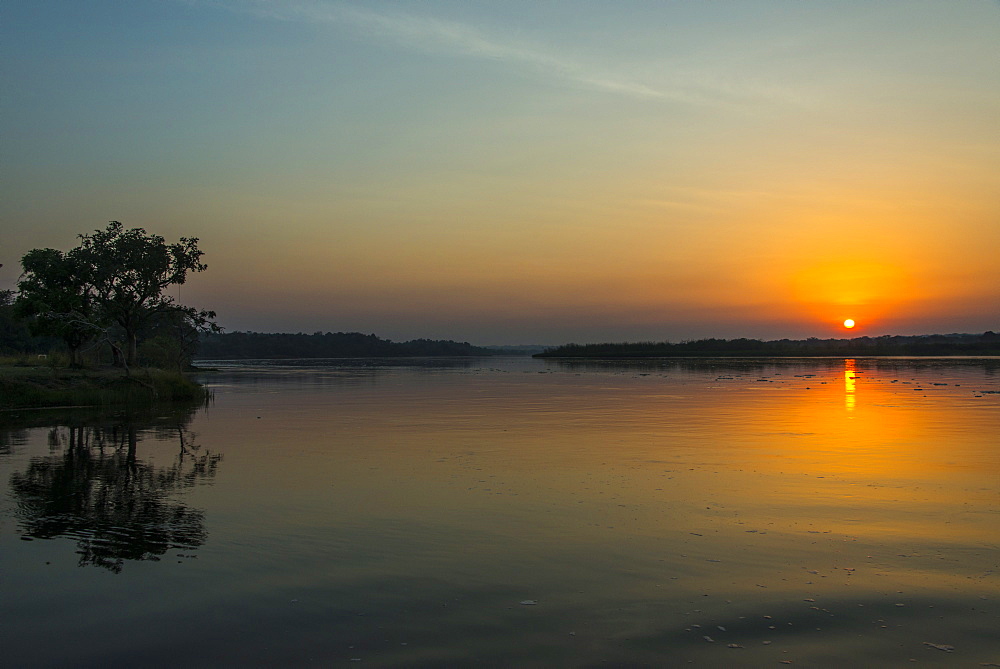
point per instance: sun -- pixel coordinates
(849, 323)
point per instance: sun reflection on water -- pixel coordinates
(850, 376)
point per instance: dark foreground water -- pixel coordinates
(513, 512)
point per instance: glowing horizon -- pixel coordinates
(520, 173)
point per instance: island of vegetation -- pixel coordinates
(96, 326)
(986, 344)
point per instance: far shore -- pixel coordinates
(950, 345)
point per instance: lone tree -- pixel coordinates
(128, 272)
(116, 276)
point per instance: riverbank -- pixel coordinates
(23, 387)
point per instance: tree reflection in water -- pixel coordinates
(95, 489)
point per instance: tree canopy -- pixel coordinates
(53, 289)
(116, 277)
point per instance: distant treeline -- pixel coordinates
(987, 343)
(244, 345)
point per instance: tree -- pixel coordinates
(54, 289)
(114, 281)
(128, 271)
(14, 335)
(172, 338)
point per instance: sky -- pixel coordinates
(535, 172)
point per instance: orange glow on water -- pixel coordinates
(849, 384)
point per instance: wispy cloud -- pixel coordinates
(437, 35)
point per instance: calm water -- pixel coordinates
(514, 512)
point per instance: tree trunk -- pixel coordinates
(132, 352)
(117, 358)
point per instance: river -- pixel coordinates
(507, 512)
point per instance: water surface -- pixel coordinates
(515, 512)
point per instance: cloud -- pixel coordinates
(436, 35)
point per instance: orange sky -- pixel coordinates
(525, 174)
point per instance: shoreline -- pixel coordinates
(986, 344)
(27, 388)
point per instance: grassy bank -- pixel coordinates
(48, 386)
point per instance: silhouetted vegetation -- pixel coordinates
(102, 302)
(518, 349)
(16, 337)
(896, 365)
(247, 345)
(109, 292)
(987, 343)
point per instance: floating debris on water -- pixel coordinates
(528, 602)
(940, 646)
